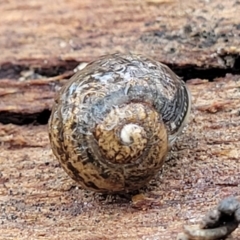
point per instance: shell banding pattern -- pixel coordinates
(113, 121)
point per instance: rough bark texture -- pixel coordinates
(46, 39)
(40, 44)
(40, 201)
(179, 32)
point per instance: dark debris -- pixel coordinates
(219, 223)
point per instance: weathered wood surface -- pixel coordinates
(40, 44)
(180, 32)
(39, 201)
(49, 38)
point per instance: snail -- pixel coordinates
(114, 121)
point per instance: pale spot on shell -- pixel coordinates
(128, 131)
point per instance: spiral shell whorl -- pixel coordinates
(110, 124)
(135, 127)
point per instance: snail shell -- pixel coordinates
(113, 122)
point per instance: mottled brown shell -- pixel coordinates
(113, 122)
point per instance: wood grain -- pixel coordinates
(41, 42)
(180, 32)
(39, 201)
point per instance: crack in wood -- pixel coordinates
(13, 71)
